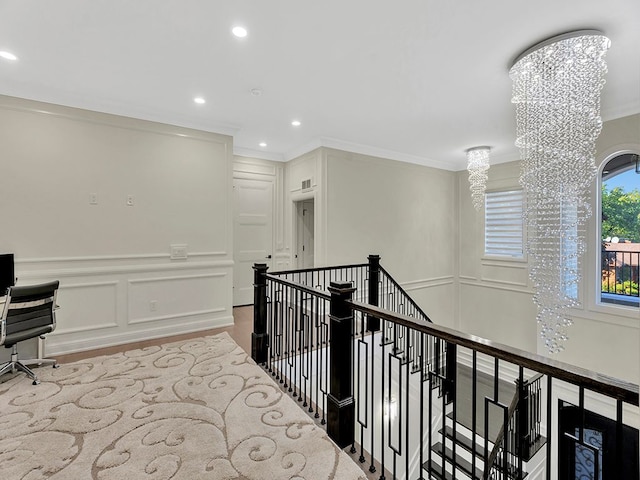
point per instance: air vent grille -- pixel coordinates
(306, 184)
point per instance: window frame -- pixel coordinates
(599, 304)
(522, 257)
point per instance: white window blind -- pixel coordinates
(503, 224)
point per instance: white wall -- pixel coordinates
(118, 282)
(496, 295)
(403, 212)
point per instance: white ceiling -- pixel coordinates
(414, 80)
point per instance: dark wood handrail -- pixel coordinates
(596, 382)
(318, 269)
(500, 439)
(311, 290)
(399, 287)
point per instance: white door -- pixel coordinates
(305, 234)
(252, 233)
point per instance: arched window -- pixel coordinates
(620, 230)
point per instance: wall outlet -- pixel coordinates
(93, 199)
(129, 200)
(153, 305)
(179, 252)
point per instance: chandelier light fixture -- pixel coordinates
(478, 166)
(556, 90)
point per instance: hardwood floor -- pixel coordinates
(240, 332)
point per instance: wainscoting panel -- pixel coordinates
(114, 301)
(505, 272)
(87, 306)
(164, 298)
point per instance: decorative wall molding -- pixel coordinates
(113, 120)
(110, 313)
(467, 277)
(175, 277)
(427, 283)
(629, 321)
(89, 328)
(496, 285)
(252, 167)
(517, 263)
(176, 265)
(89, 343)
(111, 285)
(193, 313)
(111, 258)
(172, 286)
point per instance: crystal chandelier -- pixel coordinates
(478, 166)
(556, 89)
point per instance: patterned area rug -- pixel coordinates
(198, 409)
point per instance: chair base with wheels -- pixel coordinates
(29, 312)
(15, 365)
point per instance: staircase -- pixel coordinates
(348, 339)
(456, 448)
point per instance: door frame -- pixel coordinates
(298, 227)
(295, 198)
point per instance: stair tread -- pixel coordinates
(461, 463)
(435, 470)
(464, 441)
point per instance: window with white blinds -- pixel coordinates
(503, 224)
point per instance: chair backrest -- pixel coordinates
(7, 272)
(28, 311)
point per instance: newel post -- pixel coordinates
(373, 323)
(259, 337)
(340, 401)
(523, 428)
(451, 372)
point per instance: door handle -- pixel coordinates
(268, 256)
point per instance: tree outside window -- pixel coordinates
(620, 228)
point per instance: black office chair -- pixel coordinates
(29, 312)
(7, 272)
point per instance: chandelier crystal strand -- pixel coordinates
(556, 89)
(478, 166)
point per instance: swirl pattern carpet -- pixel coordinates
(197, 409)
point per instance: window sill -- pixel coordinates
(503, 260)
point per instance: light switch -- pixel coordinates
(179, 252)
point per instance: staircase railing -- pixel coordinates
(380, 390)
(395, 299)
(519, 437)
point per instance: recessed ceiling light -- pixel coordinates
(8, 55)
(199, 100)
(296, 123)
(239, 31)
(263, 144)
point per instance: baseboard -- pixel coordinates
(104, 341)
